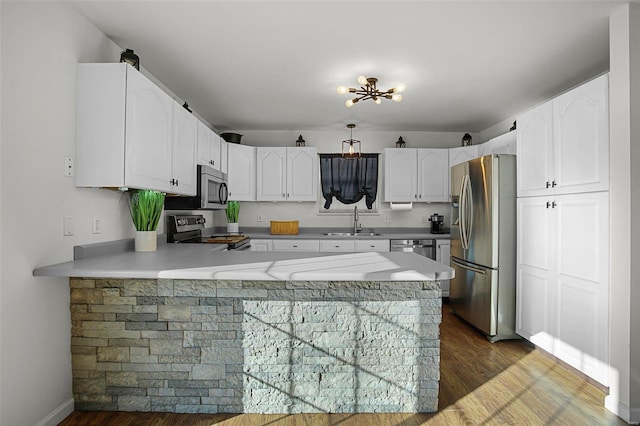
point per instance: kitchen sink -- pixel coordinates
(351, 234)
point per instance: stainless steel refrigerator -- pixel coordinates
(483, 244)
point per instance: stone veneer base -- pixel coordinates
(255, 346)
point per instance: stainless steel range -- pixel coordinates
(190, 229)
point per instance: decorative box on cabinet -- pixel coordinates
(562, 296)
(287, 174)
(416, 175)
(241, 172)
(563, 144)
(125, 132)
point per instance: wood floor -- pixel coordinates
(481, 383)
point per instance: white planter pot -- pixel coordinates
(146, 241)
(232, 228)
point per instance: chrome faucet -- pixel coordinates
(356, 225)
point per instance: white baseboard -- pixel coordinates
(58, 414)
(620, 409)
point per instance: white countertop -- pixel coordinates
(199, 261)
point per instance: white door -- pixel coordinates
(148, 134)
(535, 289)
(433, 175)
(582, 274)
(400, 174)
(302, 174)
(242, 172)
(535, 151)
(271, 184)
(185, 136)
(581, 138)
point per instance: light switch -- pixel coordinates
(68, 226)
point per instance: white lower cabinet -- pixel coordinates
(562, 297)
(337, 245)
(261, 245)
(296, 245)
(372, 245)
(443, 255)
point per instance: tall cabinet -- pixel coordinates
(563, 228)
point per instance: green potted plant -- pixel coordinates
(146, 208)
(232, 211)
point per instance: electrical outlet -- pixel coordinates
(68, 166)
(387, 219)
(425, 219)
(68, 226)
(96, 226)
(259, 217)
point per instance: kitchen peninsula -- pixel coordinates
(192, 329)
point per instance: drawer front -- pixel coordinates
(296, 245)
(337, 245)
(372, 245)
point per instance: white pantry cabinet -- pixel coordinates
(563, 144)
(416, 175)
(443, 255)
(242, 172)
(208, 147)
(562, 296)
(125, 132)
(287, 174)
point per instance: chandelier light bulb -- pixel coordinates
(362, 80)
(377, 101)
(400, 88)
(396, 98)
(342, 90)
(349, 103)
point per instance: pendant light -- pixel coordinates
(351, 147)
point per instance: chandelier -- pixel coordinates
(351, 147)
(369, 90)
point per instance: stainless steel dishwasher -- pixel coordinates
(426, 248)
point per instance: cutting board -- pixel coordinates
(227, 239)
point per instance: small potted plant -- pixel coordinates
(232, 211)
(146, 208)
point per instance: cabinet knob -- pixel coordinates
(177, 182)
(172, 181)
(553, 184)
(548, 184)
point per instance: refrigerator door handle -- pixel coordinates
(462, 210)
(468, 267)
(469, 222)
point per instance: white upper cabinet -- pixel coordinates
(287, 174)
(125, 132)
(224, 156)
(183, 160)
(563, 145)
(433, 175)
(462, 154)
(208, 147)
(503, 144)
(241, 172)
(416, 175)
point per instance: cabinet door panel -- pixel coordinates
(400, 174)
(337, 245)
(535, 151)
(582, 270)
(533, 312)
(271, 174)
(581, 138)
(433, 175)
(296, 245)
(302, 174)
(242, 172)
(148, 134)
(185, 136)
(372, 245)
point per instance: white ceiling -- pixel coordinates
(275, 65)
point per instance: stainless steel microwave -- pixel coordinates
(212, 192)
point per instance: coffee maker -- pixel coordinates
(437, 223)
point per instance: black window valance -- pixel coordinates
(349, 179)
